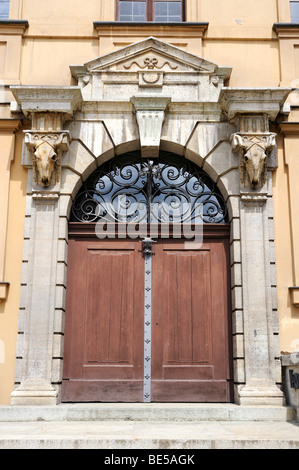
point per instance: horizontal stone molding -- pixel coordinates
(41, 99)
(269, 101)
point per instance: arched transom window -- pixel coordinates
(130, 188)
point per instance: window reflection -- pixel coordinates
(150, 10)
(168, 11)
(132, 11)
(294, 11)
(4, 9)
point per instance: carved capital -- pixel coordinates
(254, 149)
(47, 148)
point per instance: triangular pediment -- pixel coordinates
(153, 54)
(151, 66)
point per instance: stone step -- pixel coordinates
(146, 412)
(147, 435)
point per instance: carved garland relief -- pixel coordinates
(150, 65)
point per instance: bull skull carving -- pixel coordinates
(46, 149)
(254, 160)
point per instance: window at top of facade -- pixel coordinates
(294, 4)
(150, 10)
(4, 9)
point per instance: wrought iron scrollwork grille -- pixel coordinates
(129, 188)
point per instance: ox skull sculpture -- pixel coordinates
(46, 151)
(253, 165)
(45, 157)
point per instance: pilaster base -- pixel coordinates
(260, 395)
(34, 393)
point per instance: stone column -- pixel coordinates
(254, 144)
(43, 150)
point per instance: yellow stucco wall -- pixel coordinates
(60, 34)
(9, 309)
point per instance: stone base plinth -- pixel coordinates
(258, 395)
(35, 393)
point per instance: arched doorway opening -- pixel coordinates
(148, 297)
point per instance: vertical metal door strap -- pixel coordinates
(147, 251)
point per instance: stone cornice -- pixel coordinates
(204, 112)
(41, 99)
(286, 30)
(10, 125)
(268, 101)
(289, 128)
(13, 26)
(150, 28)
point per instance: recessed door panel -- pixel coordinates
(108, 300)
(190, 325)
(104, 362)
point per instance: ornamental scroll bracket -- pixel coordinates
(150, 115)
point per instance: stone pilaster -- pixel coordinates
(35, 342)
(254, 143)
(258, 316)
(43, 150)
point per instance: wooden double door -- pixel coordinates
(104, 358)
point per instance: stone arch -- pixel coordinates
(226, 179)
(75, 192)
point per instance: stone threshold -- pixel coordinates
(151, 412)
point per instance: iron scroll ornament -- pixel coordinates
(129, 188)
